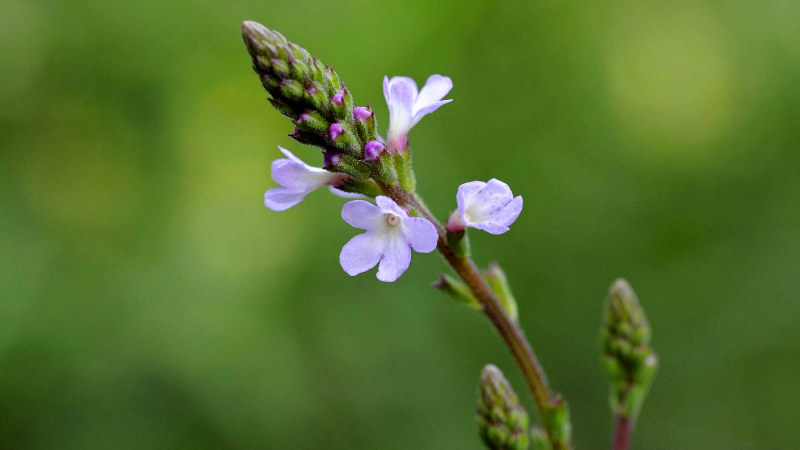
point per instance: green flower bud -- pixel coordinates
(458, 291)
(301, 86)
(499, 282)
(502, 421)
(628, 357)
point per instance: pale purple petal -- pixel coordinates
(290, 155)
(344, 194)
(434, 90)
(489, 206)
(467, 190)
(422, 112)
(491, 227)
(497, 188)
(361, 253)
(421, 234)
(402, 94)
(395, 260)
(362, 214)
(281, 198)
(294, 173)
(510, 212)
(390, 205)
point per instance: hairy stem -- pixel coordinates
(623, 431)
(510, 331)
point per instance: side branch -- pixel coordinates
(551, 406)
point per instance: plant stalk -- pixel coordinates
(509, 330)
(623, 432)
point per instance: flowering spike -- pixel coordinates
(502, 420)
(489, 206)
(301, 84)
(408, 105)
(628, 357)
(390, 236)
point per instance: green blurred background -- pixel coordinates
(150, 300)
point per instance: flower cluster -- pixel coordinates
(357, 161)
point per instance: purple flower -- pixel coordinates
(407, 105)
(490, 207)
(297, 179)
(390, 236)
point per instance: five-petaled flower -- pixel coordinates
(298, 179)
(391, 234)
(407, 105)
(490, 207)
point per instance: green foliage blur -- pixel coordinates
(150, 300)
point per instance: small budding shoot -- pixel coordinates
(502, 421)
(628, 357)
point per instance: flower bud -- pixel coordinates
(502, 420)
(335, 131)
(362, 113)
(499, 282)
(373, 150)
(628, 357)
(458, 291)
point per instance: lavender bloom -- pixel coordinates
(490, 207)
(297, 179)
(407, 105)
(390, 236)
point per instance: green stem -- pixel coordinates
(510, 331)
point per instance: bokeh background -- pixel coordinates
(150, 300)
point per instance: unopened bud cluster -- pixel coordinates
(502, 420)
(627, 355)
(318, 102)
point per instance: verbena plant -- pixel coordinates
(359, 163)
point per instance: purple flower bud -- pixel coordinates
(373, 150)
(305, 117)
(338, 99)
(335, 130)
(311, 90)
(362, 113)
(455, 224)
(331, 158)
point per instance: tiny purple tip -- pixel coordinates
(335, 130)
(455, 224)
(331, 158)
(362, 113)
(338, 99)
(303, 117)
(311, 90)
(373, 150)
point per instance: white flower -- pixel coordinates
(297, 179)
(390, 236)
(490, 207)
(407, 105)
